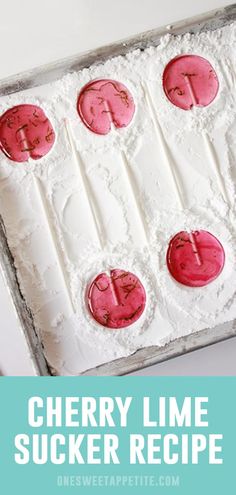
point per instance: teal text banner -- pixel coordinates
(120, 435)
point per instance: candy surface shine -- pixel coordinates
(105, 103)
(183, 263)
(25, 132)
(116, 299)
(190, 80)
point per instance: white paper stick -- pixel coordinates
(113, 289)
(135, 196)
(169, 161)
(194, 247)
(130, 180)
(165, 151)
(54, 243)
(212, 155)
(216, 166)
(191, 90)
(209, 146)
(51, 231)
(87, 189)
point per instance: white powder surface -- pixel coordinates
(73, 341)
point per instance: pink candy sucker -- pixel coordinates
(105, 103)
(190, 80)
(116, 299)
(183, 263)
(25, 132)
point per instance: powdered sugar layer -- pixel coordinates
(75, 342)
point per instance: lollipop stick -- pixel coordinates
(87, 189)
(130, 180)
(50, 229)
(194, 247)
(191, 90)
(209, 145)
(215, 165)
(57, 253)
(113, 290)
(165, 151)
(135, 195)
(169, 161)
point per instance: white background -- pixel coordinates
(37, 32)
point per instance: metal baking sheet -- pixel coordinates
(45, 74)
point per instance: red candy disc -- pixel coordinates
(195, 259)
(104, 103)
(116, 299)
(190, 80)
(25, 132)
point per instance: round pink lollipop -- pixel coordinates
(104, 102)
(183, 263)
(116, 299)
(190, 80)
(25, 132)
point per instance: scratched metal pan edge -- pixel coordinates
(41, 75)
(44, 74)
(23, 313)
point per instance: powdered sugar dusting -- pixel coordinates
(76, 342)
